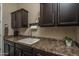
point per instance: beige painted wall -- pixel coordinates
(7, 9)
(77, 34)
(34, 10)
(52, 32)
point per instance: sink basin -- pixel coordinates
(29, 40)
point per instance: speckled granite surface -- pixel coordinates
(50, 45)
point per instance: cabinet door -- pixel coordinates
(37, 52)
(18, 19)
(46, 14)
(6, 49)
(18, 52)
(67, 14)
(23, 50)
(25, 53)
(13, 20)
(11, 50)
(24, 19)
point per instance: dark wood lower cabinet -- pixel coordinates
(25, 53)
(18, 52)
(14, 49)
(22, 50)
(8, 48)
(38, 52)
(11, 50)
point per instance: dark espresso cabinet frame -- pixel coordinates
(9, 49)
(19, 18)
(68, 14)
(59, 14)
(22, 50)
(47, 14)
(16, 49)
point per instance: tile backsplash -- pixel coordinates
(53, 32)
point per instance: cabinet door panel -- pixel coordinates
(6, 49)
(67, 14)
(37, 52)
(18, 52)
(11, 52)
(24, 19)
(18, 20)
(13, 20)
(46, 14)
(25, 53)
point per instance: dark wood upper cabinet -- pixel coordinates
(46, 14)
(13, 20)
(19, 18)
(59, 14)
(68, 14)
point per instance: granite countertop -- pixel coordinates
(50, 45)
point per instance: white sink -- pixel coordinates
(29, 40)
